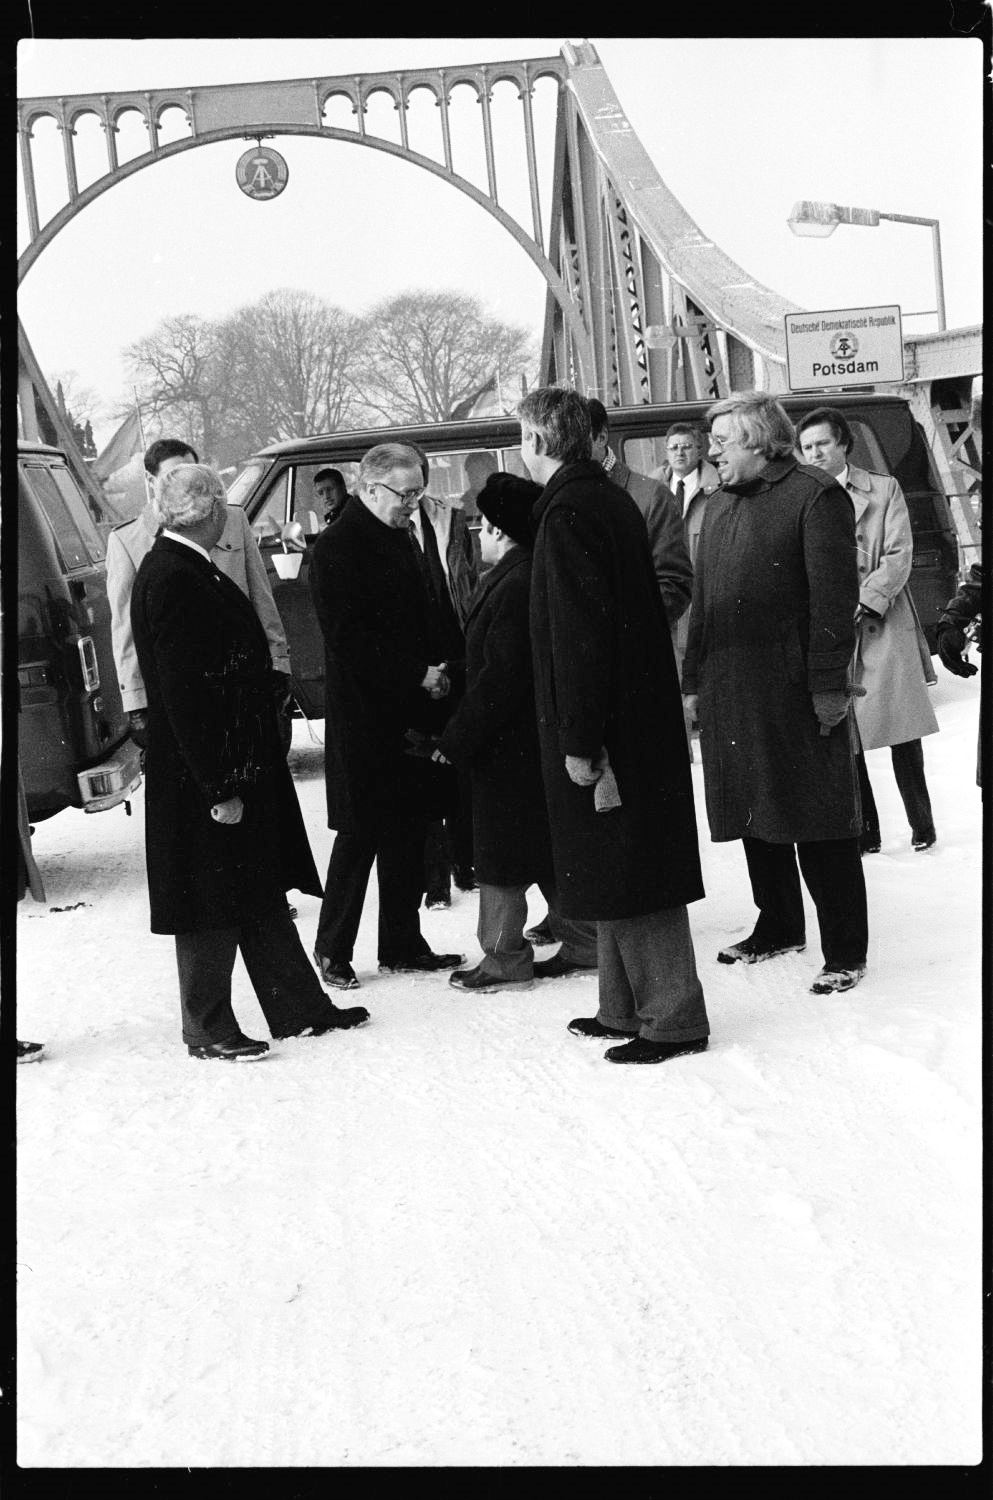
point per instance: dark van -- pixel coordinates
(73, 743)
(276, 489)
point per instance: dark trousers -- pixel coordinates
(448, 847)
(908, 768)
(397, 846)
(284, 981)
(648, 979)
(832, 873)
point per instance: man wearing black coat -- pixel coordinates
(384, 677)
(224, 835)
(625, 853)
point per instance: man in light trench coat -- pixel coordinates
(892, 661)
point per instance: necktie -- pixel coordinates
(680, 491)
(429, 562)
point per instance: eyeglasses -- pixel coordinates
(718, 444)
(409, 497)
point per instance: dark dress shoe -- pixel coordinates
(235, 1049)
(339, 1020)
(435, 900)
(556, 966)
(590, 1026)
(870, 843)
(748, 951)
(464, 877)
(541, 934)
(30, 1051)
(340, 976)
(480, 982)
(291, 911)
(922, 841)
(641, 1050)
(423, 963)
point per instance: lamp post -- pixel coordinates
(821, 219)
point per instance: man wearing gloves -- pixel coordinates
(608, 699)
(772, 631)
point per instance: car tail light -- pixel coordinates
(88, 661)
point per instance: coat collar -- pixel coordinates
(176, 549)
(586, 469)
(775, 470)
(861, 486)
(515, 558)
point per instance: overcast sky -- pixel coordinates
(738, 128)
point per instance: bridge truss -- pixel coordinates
(640, 305)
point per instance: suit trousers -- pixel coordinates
(648, 979)
(908, 768)
(285, 984)
(503, 913)
(397, 846)
(832, 873)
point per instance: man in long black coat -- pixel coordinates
(383, 678)
(608, 707)
(224, 835)
(767, 669)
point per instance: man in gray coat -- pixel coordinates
(613, 751)
(772, 631)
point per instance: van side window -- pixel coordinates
(63, 521)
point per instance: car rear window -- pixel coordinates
(76, 536)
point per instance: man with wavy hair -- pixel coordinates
(767, 673)
(613, 748)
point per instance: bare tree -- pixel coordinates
(181, 374)
(426, 353)
(290, 361)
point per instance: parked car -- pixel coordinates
(276, 489)
(73, 744)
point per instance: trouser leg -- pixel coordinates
(776, 892)
(577, 936)
(458, 825)
(400, 871)
(648, 978)
(503, 911)
(908, 768)
(832, 870)
(870, 817)
(351, 860)
(437, 864)
(205, 961)
(284, 981)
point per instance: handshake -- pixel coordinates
(436, 682)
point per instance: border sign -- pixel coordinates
(262, 173)
(845, 346)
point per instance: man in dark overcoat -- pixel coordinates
(224, 835)
(609, 708)
(767, 673)
(383, 678)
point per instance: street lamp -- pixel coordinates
(821, 219)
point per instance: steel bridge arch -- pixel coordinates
(89, 195)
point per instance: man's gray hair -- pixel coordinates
(758, 421)
(381, 460)
(186, 495)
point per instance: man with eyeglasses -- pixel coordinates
(692, 479)
(383, 673)
(767, 670)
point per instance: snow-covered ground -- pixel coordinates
(458, 1236)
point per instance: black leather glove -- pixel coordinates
(951, 648)
(138, 719)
